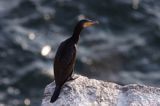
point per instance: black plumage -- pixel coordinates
(65, 58)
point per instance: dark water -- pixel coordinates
(124, 48)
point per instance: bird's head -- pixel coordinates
(86, 23)
(81, 24)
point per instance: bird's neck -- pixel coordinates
(76, 34)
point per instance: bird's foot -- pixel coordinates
(67, 86)
(72, 78)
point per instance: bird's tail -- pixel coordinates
(55, 94)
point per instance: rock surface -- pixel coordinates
(90, 92)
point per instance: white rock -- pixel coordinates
(90, 92)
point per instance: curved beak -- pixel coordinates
(90, 23)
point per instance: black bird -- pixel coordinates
(65, 58)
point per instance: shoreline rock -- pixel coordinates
(90, 92)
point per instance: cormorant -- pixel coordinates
(65, 58)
